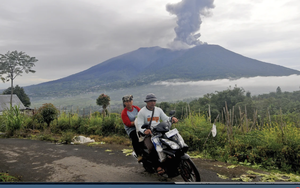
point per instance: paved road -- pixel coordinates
(41, 161)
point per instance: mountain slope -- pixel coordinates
(215, 62)
(147, 65)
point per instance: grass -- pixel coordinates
(270, 175)
(5, 177)
(66, 136)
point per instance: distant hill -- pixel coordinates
(147, 65)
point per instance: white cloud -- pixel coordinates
(256, 85)
(257, 29)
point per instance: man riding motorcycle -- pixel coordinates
(150, 114)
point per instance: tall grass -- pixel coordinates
(13, 119)
(273, 144)
(92, 125)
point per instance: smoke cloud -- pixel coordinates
(188, 14)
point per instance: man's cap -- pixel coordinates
(150, 97)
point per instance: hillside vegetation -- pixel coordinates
(262, 131)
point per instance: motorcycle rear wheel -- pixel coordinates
(188, 171)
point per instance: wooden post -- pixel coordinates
(209, 114)
(232, 122)
(269, 117)
(281, 126)
(210, 131)
(226, 119)
(247, 128)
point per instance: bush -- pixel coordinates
(64, 122)
(13, 120)
(67, 137)
(195, 129)
(2, 124)
(77, 122)
(31, 123)
(46, 137)
(47, 113)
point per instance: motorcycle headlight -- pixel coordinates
(170, 143)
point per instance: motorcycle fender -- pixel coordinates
(185, 156)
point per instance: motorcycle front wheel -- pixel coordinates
(188, 171)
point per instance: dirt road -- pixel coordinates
(41, 161)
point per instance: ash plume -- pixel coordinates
(189, 14)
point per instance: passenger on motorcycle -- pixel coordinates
(154, 115)
(128, 116)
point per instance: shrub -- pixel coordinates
(46, 137)
(67, 137)
(47, 113)
(64, 122)
(2, 124)
(31, 123)
(77, 122)
(13, 120)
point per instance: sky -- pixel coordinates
(69, 36)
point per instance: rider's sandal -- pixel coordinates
(140, 159)
(160, 170)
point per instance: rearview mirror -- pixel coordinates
(145, 126)
(172, 113)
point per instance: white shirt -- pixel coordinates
(144, 117)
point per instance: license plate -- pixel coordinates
(171, 133)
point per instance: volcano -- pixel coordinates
(152, 64)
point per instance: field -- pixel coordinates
(261, 131)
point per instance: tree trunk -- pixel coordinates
(12, 88)
(103, 111)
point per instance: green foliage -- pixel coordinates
(5, 177)
(47, 113)
(46, 137)
(216, 102)
(31, 123)
(2, 124)
(19, 91)
(13, 64)
(103, 100)
(96, 114)
(13, 119)
(261, 133)
(65, 121)
(165, 106)
(66, 137)
(195, 130)
(93, 125)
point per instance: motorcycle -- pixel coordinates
(171, 150)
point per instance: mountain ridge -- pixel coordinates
(150, 64)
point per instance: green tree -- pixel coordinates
(47, 113)
(13, 64)
(182, 110)
(214, 103)
(103, 100)
(165, 106)
(19, 91)
(278, 91)
(230, 96)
